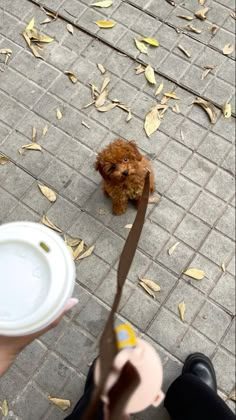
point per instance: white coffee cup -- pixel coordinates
(37, 277)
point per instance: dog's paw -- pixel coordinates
(119, 209)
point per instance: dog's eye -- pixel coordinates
(126, 159)
(112, 168)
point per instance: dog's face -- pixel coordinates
(118, 160)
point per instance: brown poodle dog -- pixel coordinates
(123, 170)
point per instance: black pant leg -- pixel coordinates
(188, 398)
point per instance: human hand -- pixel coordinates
(10, 347)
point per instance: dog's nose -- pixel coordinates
(125, 173)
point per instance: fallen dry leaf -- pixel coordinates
(208, 107)
(176, 109)
(87, 253)
(70, 28)
(153, 200)
(139, 69)
(32, 146)
(62, 404)
(181, 48)
(151, 284)
(105, 3)
(101, 68)
(4, 408)
(146, 288)
(223, 267)
(186, 17)
(78, 250)
(45, 220)
(202, 2)
(34, 134)
(129, 226)
(7, 52)
(152, 121)
(228, 49)
(33, 36)
(101, 99)
(171, 95)
(201, 14)
(195, 273)
(45, 130)
(232, 395)
(159, 89)
(233, 15)
(172, 248)
(206, 72)
(85, 125)
(71, 76)
(182, 309)
(47, 20)
(191, 28)
(226, 109)
(181, 135)
(141, 47)
(105, 24)
(48, 193)
(107, 107)
(150, 75)
(59, 114)
(151, 41)
(105, 83)
(213, 29)
(72, 242)
(3, 159)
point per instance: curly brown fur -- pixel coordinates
(123, 170)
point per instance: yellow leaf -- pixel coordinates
(101, 99)
(186, 17)
(226, 110)
(30, 25)
(176, 109)
(70, 28)
(182, 309)
(32, 146)
(45, 220)
(32, 47)
(141, 47)
(172, 248)
(105, 24)
(151, 41)
(43, 38)
(149, 291)
(62, 404)
(202, 2)
(152, 121)
(106, 108)
(195, 273)
(208, 107)
(47, 20)
(153, 200)
(3, 159)
(159, 89)
(59, 114)
(48, 193)
(201, 14)
(45, 130)
(191, 28)
(105, 3)
(139, 69)
(223, 267)
(171, 95)
(4, 408)
(34, 134)
(101, 68)
(129, 226)
(151, 284)
(150, 75)
(87, 253)
(72, 241)
(228, 49)
(71, 76)
(78, 250)
(105, 83)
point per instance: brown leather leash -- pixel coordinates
(129, 378)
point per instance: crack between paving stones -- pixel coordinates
(119, 50)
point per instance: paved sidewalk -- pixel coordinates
(194, 162)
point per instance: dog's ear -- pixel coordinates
(134, 148)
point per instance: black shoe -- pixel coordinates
(200, 365)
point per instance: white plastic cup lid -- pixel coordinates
(37, 277)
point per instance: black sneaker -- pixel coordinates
(200, 365)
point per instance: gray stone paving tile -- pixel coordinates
(78, 189)
(93, 317)
(63, 88)
(225, 128)
(207, 207)
(8, 202)
(167, 214)
(224, 292)
(214, 148)
(231, 266)
(29, 359)
(86, 228)
(193, 342)
(86, 70)
(174, 155)
(211, 270)
(184, 292)
(197, 114)
(140, 309)
(74, 154)
(82, 295)
(138, 267)
(212, 321)
(57, 174)
(92, 274)
(174, 67)
(153, 146)
(218, 91)
(74, 344)
(126, 44)
(39, 403)
(18, 9)
(229, 340)
(88, 18)
(163, 278)
(192, 231)
(221, 38)
(171, 122)
(109, 246)
(167, 330)
(152, 413)
(229, 162)
(148, 240)
(178, 261)
(192, 79)
(11, 383)
(192, 134)
(63, 213)
(164, 176)
(221, 184)
(11, 111)
(106, 290)
(4, 131)
(72, 8)
(51, 337)
(15, 180)
(183, 192)
(116, 63)
(22, 213)
(223, 363)
(74, 388)
(226, 223)
(78, 42)
(217, 247)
